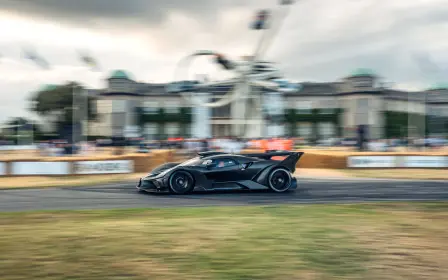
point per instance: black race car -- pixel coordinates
(212, 171)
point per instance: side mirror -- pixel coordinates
(210, 165)
(244, 166)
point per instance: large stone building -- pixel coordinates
(313, 111)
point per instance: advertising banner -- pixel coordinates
(424, 162)
(371, 162)
(103, 167)
(397, 162)
(2, 168)
(40, 168)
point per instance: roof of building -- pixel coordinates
(313, 89)
(439, 86)
(429, 97)
(120, 74)
(305, 89)
(359, 72)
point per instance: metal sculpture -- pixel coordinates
(251, 74)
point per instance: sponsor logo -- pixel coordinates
(89, 167)
(381, 161)
(426, 161)
(397, 162)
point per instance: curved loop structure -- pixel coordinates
(250, 73)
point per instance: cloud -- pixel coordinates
(320, 40)
(93, 13)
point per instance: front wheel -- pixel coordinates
(181, 182)
(280, 180)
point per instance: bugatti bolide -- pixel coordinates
(213, 171)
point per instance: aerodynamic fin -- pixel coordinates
(270, 154)
(290, 161)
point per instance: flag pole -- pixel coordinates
(409, 123)
(73, 117)
(32, 132)
(86, 116)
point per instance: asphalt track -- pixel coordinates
(116, 196)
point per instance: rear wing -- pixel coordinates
(270, 154)
(289, 162)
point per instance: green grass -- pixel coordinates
(369, 241)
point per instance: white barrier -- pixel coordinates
(371, 162)
(425, 162)
(397, 162)
(2, 168)
(127, 166)
(103, 167)
(17, 147)
(40, 168)
(21, 168)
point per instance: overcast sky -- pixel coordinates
(321, 40)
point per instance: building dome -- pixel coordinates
(47, 87)
(360, 72)
(119, 74)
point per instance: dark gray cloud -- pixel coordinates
(116, 12)
(321, 39)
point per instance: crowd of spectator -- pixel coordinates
(231, 144)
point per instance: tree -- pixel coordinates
(21, 130)
(64, 101)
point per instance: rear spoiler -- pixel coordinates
(270, 154)
(289, 162)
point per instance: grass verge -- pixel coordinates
(65, 181)
(371, 241)
(419, 174)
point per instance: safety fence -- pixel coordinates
(140, 163)
(397, 162)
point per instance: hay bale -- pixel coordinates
(322, 161)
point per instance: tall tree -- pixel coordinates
(67, 102)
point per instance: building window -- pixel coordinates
(172, 129)
(150, 130)
(326, 129)
(304, 130)
(104, 106)
(273, 104)
(362, 112)
(172, 107)
(188, 130)
(326, 111)
(150, 107)
(435, 111)
(304, 107)
(221, 112)
(119, 86)
(119, 106)
(327, 106)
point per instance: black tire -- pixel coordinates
(181, 182)
(280, 180)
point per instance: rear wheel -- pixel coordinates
(181, 182)
(280, 180)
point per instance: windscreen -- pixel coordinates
(192, 162)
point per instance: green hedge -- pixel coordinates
(293, 116)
